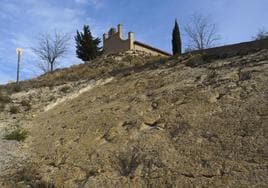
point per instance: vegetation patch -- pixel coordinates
(26, 104)
(18, 134)
(128, 162)
(196, 60)
(17, 88)
(65, 89)
(243, 76)
(4, 98)
(2, 107)
(14, 110)
(178, 129)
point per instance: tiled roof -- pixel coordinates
(152, 48)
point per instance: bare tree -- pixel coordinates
(49, 49)
(201, 32)
(262, 34)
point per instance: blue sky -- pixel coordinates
(22, 21)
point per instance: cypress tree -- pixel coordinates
(86, 46)
(176, 39)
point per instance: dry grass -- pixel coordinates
(102, 67)
(4, 99)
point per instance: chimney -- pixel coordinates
(131, 40)
(120, 30)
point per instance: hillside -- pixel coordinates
(138, 121)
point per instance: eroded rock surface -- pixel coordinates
(166, 125)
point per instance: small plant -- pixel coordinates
(18, 134)
(128, 58)
(14, 109)
(4, 98)
(26, 104)
(51, 98)
(65, 89)
(211, 78)
(208, 58)
(200, 58)
(128, 162)
(244, 76)
(195, 60)
(178, 129)
(212, 74)
(2, 107)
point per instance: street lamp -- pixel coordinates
(19, 53)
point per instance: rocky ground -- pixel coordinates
(180, 122)
(28, 104)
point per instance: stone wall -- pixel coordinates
(115, 44)
(235, 49)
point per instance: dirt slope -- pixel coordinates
(170, 126)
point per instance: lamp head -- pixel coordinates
(19, 50)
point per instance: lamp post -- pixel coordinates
(19, 53)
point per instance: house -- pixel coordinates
(114, 42)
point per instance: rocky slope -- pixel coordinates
(179, 122)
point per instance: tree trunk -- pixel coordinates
(51, 67)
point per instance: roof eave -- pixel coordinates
(152, 48)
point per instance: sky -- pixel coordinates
(152, 21)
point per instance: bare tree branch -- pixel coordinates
(49, 49)
(262, 34)
(201, 32)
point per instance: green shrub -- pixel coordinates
(14, 109)
(18, 134)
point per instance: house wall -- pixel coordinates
(147, 50)
(115, 44)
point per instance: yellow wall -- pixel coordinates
(115, 44)
(147, 50)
